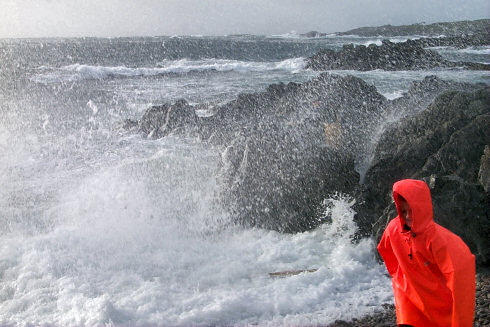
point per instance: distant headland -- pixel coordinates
(445, 28)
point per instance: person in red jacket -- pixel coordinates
(432, 269)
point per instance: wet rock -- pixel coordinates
(409, 55)
(295, 147)
(484, 172)
(284, 149)
(313, 34)
(448, 29)
(457, 41)
(443, 145)
(389, 56)
(278, 180)
(159, 121)
(289, 147)
(422, 93)
(340, 323)
(129, 124)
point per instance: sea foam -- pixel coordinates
(484, 50)
(77, 72)
(124, 254)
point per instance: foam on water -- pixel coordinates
(393, 95)
(379, 41)
(122, 261)
(484, 50)
(110, 228)
(479, 54)
(392, 84)
(79, 72)
(290, 35)
(481, 50)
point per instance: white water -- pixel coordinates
(105, 227)
(78, 72)
(134, 237)
(135, 271)
(393, 84)
(483, 50)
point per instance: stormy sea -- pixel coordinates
(105, 224)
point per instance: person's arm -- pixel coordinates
(386, 252)
(458, 266)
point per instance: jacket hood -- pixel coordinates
(417, 194)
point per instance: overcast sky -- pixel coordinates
(42, 18)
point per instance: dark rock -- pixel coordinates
(159, 121)
(313, 34)
(421, 94)
(409, 55)
(462, 207)
(285, 149)
(389, 56)
(442, 145)
(289, 147)
(449, 29)
(277, 178)
(129, 124)
(484, 172)
(341, 323)
(457, 41)
(295, 145)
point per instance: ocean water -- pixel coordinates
(100, 226)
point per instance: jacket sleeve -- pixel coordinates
(458, 267)
(386, 252)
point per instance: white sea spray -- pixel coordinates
(118, 263)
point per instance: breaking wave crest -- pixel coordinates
(78, 72)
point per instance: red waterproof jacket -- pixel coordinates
(432, 269)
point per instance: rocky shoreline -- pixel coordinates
(408, 55)
(480, 26)
(412, 54)
(288, 148)
(445, 146)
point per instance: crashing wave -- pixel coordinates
(78, 72)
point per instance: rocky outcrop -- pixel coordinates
(290, 147)
(457, 41)
(484, 172)
(421, 94)
(407, 55)
(313, 34)
(448, 29)
(284, 149)
(159, 121)
(443, 145)
(277, 177)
